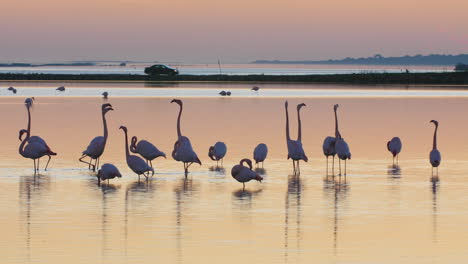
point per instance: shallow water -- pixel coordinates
(380, 214)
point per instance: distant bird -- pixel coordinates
(295, 149)
(37, 139)
(135, 163)
(105, 94)
(61, 89)
(223, 93)
(33, 150)
(329, 145)
(260, 153)
(341, 147)
(434, 156)
(244, 174)
(107, 172)
(255, 88)
(97, 145)
(217, 152)
(12, 89)
(183, 150)
(394, 146)
(228, 93)
(146, 150)
(29, 101)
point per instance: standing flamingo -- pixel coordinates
(217, 152)
(97, 145)
(137, 164)
(260, 153)
(146, 150)
(183, 150)
(341, 147)
(394, 146)
(295, 149)
(107, 171)
(434, 156)
(329, 147)
(244, 174)
(37, 139)
(33, 150)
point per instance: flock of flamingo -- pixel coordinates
(34, 147)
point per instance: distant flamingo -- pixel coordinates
(105, 94)
(135, 163)
(260, 153)
(61, 89)
(146, 150)
(295, 149)
(394, 146)
(12, 89)
(29, 101)
(434, 156)
(341, 147)
(244, 174)
(217, 152)
(97, 145)
(34, 150)
(183, 150)
(329, 147)
(37, 139)
(255, 88)
(107, 171)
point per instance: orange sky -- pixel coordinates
(234, 31)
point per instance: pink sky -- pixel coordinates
(201, 31)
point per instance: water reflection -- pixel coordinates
(337, 191)
(107, 190)
(260, 171)
(221, 170)
(292, 202)
(434, 190)
(183, 192)
(394, 171)
(31, 190)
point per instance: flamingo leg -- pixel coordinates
(34, 167)
(327, 167)
(333, 166)
(397, 159)
(86, 162)
(151, 164)
(38, 168)
(47, 162)
(298, 168)
(345, 169)
(262, 164)
(339, 164)
(243, 188)
(98, 159)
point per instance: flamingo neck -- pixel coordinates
(104, 121)
(179, 134)
(127, 153)
(287, 124)
(337, 133)
(299, 127)
(29, 121)
(23, 143)
(434, 144)
(133, 145)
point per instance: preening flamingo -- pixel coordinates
(33, 150)
(260, 153)
(295, 149)
(341, 147)
(146, 150)
(98, 144)
(135, 163)
(394, 146)
(217, 152)
(183, 150)
(434, 156)
(244, 174)
(107, 172)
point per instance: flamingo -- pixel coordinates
(107, 171)
(105, 94)
(146, 150)
(295, 149)
(223, 93)
(97, 145)
(217, 152)
(341, 147)
(183, 150)
(12, 89)
(37, 139)
(244, 174)
(137, 164)
(61, 89)
(260, 153)
(255, 88)
(394, 146)
(29, 101)
(434, 156)
(33, 150)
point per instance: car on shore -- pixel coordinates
(160, 69)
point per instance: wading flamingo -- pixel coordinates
(341, 147)
(217, 152)
(135, 163)
(260, 153)
(146, 150)
(244, 174)
(434, 156)
(394, 146)
(295, 149)
(107, 172)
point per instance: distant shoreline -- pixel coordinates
(356, 78)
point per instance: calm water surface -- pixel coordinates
(381, 214)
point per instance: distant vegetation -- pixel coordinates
(48, 64)
(433, 59)
(356, 78)
(461, 67)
